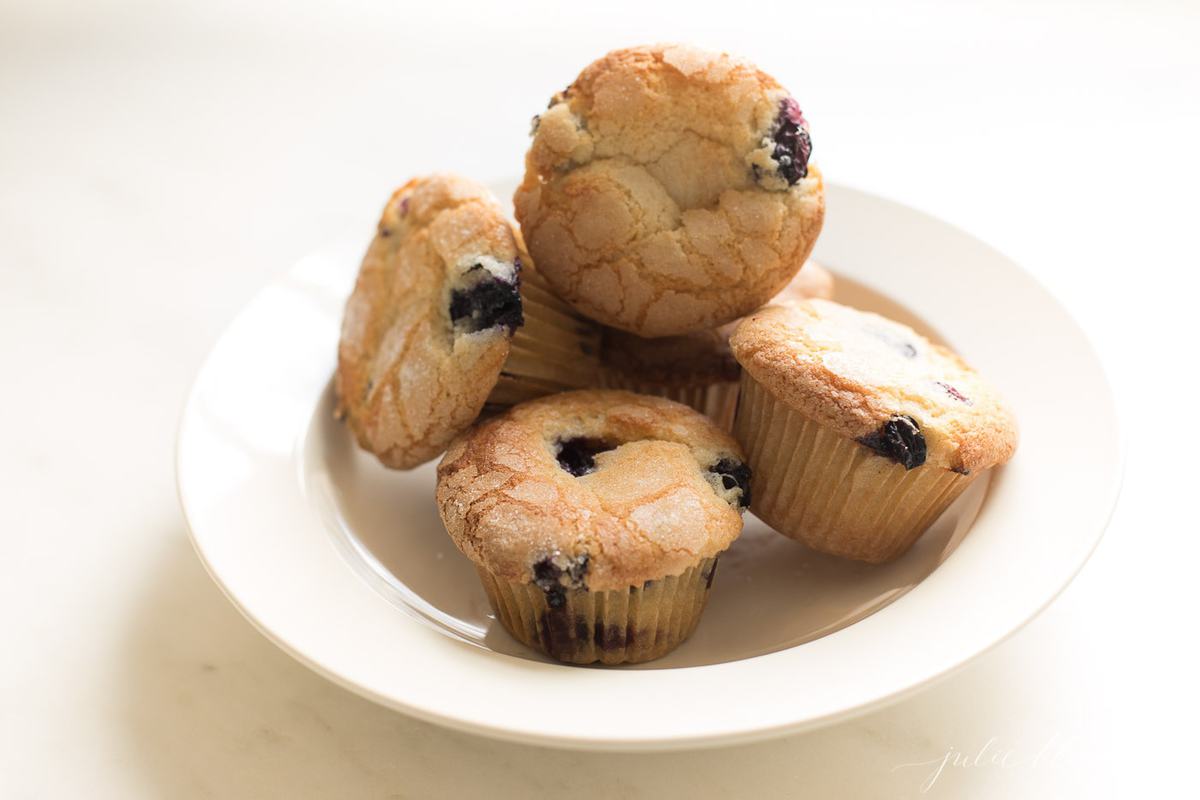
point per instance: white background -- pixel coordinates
(160, 161)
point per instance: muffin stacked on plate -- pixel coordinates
(449, 313)
(668, 197)
(595, 519)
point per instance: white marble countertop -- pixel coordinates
(160, 161)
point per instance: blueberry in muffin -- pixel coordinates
(670, 190)
(447, 314)
(595, 519)
(859, 430)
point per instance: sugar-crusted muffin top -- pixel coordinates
(879, 382)
(703, 357)
(668, 190)
(596, 488)
(428, 325)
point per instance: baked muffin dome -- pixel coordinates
(863, 375)
(595, 519)
(434, 324)
(669, 190)
(859, 430)
(640, 487)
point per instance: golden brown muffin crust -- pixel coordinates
(853, 371)
(408, 380)
(652, 506)
(652, 201)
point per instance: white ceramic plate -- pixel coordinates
(345, 564)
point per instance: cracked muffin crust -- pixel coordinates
(860, 431)
(639, 487)
(595, 519)
(435, 321)
(878, 382)
(668, 190)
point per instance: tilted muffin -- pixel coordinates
(668, 190)
(860, 431)
(595, 520)
(697, 369)
(447, 313)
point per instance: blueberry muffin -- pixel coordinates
(448, 313)
(595, 520)
(860, 431)
(697, 369)
(668, 190)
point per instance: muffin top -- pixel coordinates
(879, 382)
(427, 328)
(701, 358)
(597, 489)
(668, 190)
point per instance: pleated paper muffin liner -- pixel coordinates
(717, 400)
(614, 627)
(830, 492)
(555, 350)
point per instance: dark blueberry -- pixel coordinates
(955, 393)
(961, 470)
(578, 456)
(734, 474)
(554, 579)
(578, 570)
(899, 439)
(490, 303)
(793, 145)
